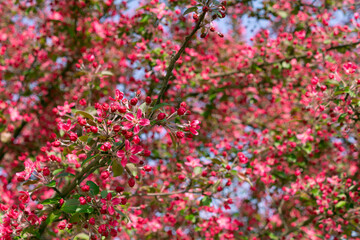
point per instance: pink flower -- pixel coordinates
(29, 168)
(24, 197)
(109, 203)
(193, 126)
(66, 126)
(65, 109)
(193, 162)
(118, 96)
(129, 153)
(135, 121)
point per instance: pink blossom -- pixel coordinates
(29, 169)
(135, 121)
(65, 109)
(129, 153)
(193, 162)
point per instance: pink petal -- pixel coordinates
(129, 116)
(111, 210)
(144, 122)
(194, 123)
(116, 201)
(127, 145)
(136, 129)
(136, 149)
(127, 125)
(120, 153)
(193, 131)
(124, 161)
(139, 113)
(134, 159)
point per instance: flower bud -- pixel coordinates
(161, 116)
(181, 111)
(131, 182)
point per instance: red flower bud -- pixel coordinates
(85, 188)
(46, 171)
(161, 116)
(122, 109)
(131, 182)
(82, 200)
(134, 101)
(119, 189)
(92, 221)
(180, 134)
(181, 111)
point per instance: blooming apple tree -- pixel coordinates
(187, 119)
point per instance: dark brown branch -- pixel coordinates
(173, 60)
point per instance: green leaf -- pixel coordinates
(51, 201)
(73, 206)
(52, 217)
(65, 174)
(279, 174)
(70, 206)
(205, 201)
(88, 159)
(84, 138)
(216, 160)
(315, 192)
(55, 172)
(197, 170)
(282, 14)
(340, 204)
(94, 188)
(189, 10)
(106, 73)
(291, 158)
(75, 218)
(84, 209)
(191, 218)
(145, 18)
(104, 193)
(132, 168)
(117, 169)
(81, 236)
(143, 107)
(273, 236)
(342, 117)
(51, 184)
(286, 65)
(307, 148)
(31, 229)
(339, 92)
(30, 182)
(160, 106)
(85, 114)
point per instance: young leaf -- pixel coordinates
(160, 106)
(94, 188)
(132, 168)
(70, 206)
(190, 10)
(117, 169)
(51, 184)
(85, 114)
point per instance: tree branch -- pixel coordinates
(171, 66)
